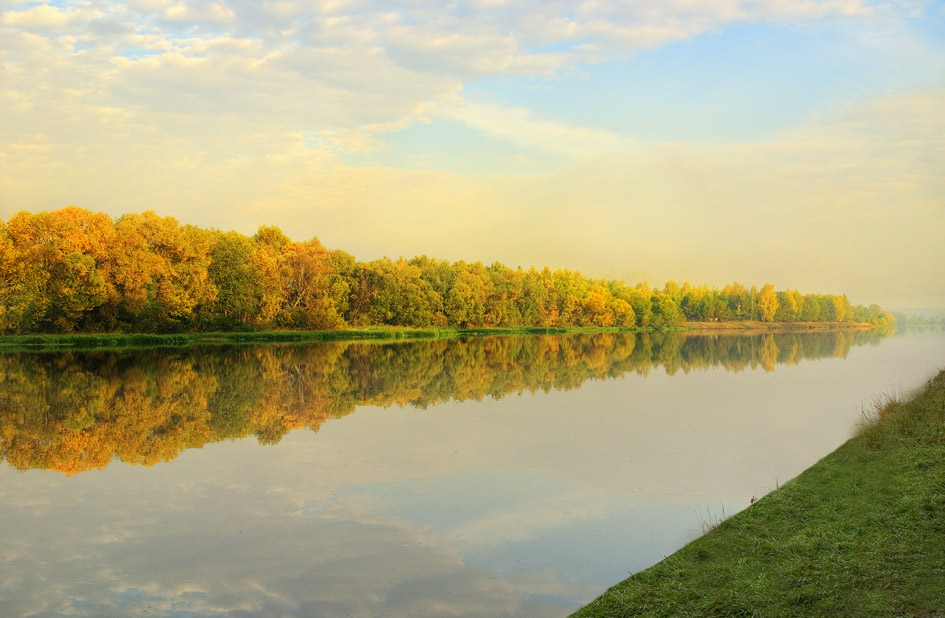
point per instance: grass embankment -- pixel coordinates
(860, 534)
(142, 340)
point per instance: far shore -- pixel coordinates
(86, 341)
(755, 325)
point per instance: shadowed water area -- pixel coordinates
(491, 476)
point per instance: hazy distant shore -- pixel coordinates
(753, 325)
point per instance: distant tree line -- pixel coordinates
(73, 270)
(920, 321)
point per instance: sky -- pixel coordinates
(796, 142)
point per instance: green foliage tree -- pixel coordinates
(666, 312)
(465, 303)
(238, 282)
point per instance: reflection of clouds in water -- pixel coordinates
(234, 548)
(300, 570)
(475, 506)
(220, 551)
(239, 558)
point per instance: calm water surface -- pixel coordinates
(510, 476)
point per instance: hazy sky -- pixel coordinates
(797, 142)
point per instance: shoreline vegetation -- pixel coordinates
(76, 271)
(89, 341)
(92, 341)
(859, 534)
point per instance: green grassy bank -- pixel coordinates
(141, 340)
(860, 534)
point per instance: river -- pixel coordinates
(494, 476)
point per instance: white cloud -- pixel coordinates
(519, 125)
(198, 71)
(453, 53)
(351, 63)
(213, 12)
(47, 18)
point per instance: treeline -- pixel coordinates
(919, 321)
(77, 411)
(73, 270)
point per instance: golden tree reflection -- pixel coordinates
(77, 411)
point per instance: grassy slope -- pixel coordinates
(861, 533)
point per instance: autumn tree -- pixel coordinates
(57, 281)
(539, 306)
(503, 306)
(767, 302)
(666, 312)
(738, 300)
(640, 300)
(598, 307)
(238, 282)
(307, 279)
(789, 303)
(465, 304)
(267, 259)
(19, 309)
(161, 270)
(624, 316)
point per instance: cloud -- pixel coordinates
(46, 18)
(519, 125)
(348, 63)
(213, 12)
(193, 70)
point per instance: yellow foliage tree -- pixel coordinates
(767, 302)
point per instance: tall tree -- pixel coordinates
(238, 282)
(306, 283)
(161, 269)
(57, 282)
(767, 302)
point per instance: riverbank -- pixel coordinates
(144, 340)
(859, 534)
(95, 341)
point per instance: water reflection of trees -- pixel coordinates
(77, 411)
